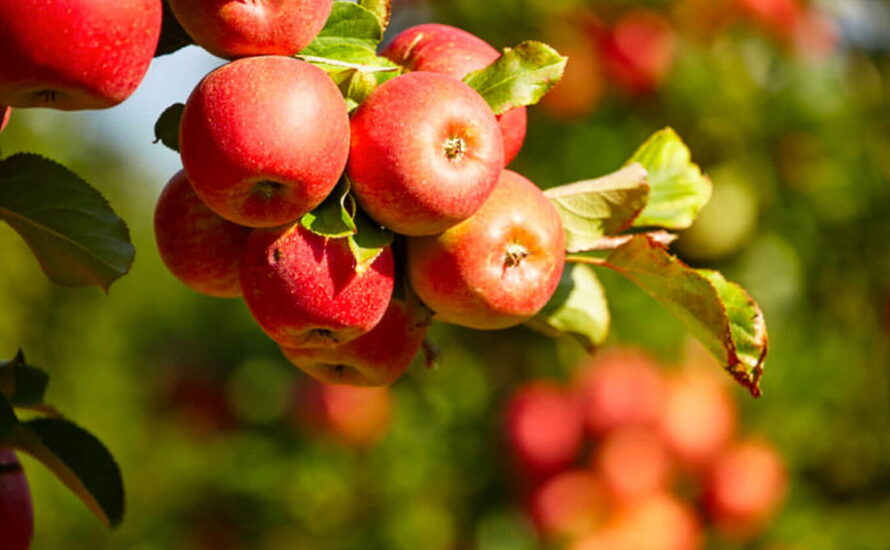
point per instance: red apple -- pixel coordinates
(744, 488)
(16, 512)
(569, 505)
(448, 50)
(579, 91)
(75, 54)
(638, 51)
(377, 358)
(235, 28)
(699, 417)
(354, 416)
(777, 16)
(201, 249)
(620, 387)
(633, 463)
(499, 267)
(659, 522)
(544, 429)
(264, 139)
(304, 291)
(5, 113)
(426, 152)
(197, 402)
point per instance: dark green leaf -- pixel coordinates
(173, 36)
(76, 236)
(592, 209)
(368, 242)
(333, 217)
(381, 8)
(521, 76)
(21, 383)
(718, 313)
(578, 307)
(79, 460)
(678, 188)
(8, 420)
(167, 126)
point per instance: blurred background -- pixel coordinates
(224, 445)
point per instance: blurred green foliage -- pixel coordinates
(801, 144)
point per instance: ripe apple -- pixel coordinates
(426, 152)
(354, 416)
(544, 429)
(569, 505)
(234, 28)
(200, 248)
(75, 54)
(264, 139)
(499, 267)
(304, 291)
(633, 463)
(638, 51)
(744, 488)
(5, 113)
(377, 358)
(620, 387)
(659, 522)
(16, 512)
(448, 50)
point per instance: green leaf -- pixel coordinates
(8, 420)
(167, 126)
(678, 188)
(333, 217)
(521, 76)
(76, 236)
(720, 314)
(350, 23)
(173, 36)
(368, 242)
(578, 307)
(592, 209)
(79, 460)
(21, 383)
(380, 8)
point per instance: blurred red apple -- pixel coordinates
(264, 159)
(633, 463)
(569, 505)
(544, 429)
(5, 113)
(448, 50)
(234, 28)
(499, 267)
(197, 401)
(426, 152)
(353, 416)
(638, 51)
(777, 16)
(304, 291)
(581, 88)
(16, 512)
(200, 248)
(75, 54)
(658, 522)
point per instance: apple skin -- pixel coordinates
(402, 137)
(199, 248)
(569, 505)
(499, 267)
(16, 511)
(264, 139)
(633, 463)
(377, 358)
(638, 51)
(449, 50)
(303, 289)
(331, 411)
(5, 114)
(75, 54)
(234, 28)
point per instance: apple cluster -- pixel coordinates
(271, 153)
(631, 458)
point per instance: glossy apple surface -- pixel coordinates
(234, 28)
(198, 247)
(426, 152)
(264, 139)
(449, 50)
(75, 54)
(499, 267)
(304, 291)
(16, 512)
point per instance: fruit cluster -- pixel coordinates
(273, 158)
(646, 439)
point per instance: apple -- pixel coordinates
(354, 416)
(304, 290)
(75, 54)
(633, 463)
(198, 247)
(16, 512)
(264, 139)
(5, 113)
(499, 267)
(638, 51)
(544, 429)
(235, 28)
(377, 358)
(620, 387)
(779, 17)
(659, 522)
(448, 50)
(196, 401)
(581, 88)
(569, 505)
(426, 152)
(744, 487)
